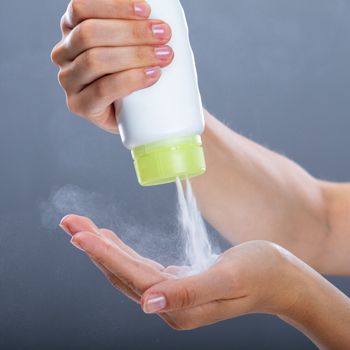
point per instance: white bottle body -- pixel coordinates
(172, 107)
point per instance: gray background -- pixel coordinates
(274, 70)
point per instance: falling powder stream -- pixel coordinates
(195, 253)
(199, 253)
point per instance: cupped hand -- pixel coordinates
(109, 49)
(253, 277)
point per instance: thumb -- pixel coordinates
(172, 295)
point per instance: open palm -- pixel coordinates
(239, 282)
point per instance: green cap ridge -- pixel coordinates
(163, 161)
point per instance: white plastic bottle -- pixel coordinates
(162, 124)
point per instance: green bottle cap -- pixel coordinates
(162, 162)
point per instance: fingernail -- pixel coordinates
(160, 30)
(154, 304)
(76, 244)
(152, 72)
(64, 227)
(163, 53)
(142, 9)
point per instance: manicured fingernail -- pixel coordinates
(164, 52)
(65, 229)
(142, 9)
(154, 304)
(160, 30)
(152, 72)
(76, 244)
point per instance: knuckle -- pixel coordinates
(173, 323)
(114, 282)
(130, 284)
(139, 53)
(53, 56)
(62, 78)
(187, 297)
(91, 59)
(101, 256)
(139, 30)
(56, 53)
(84, 32)
(143, 54)
(62, 20)
(182, 323)
(174, 326)
(72, 104)
(99, 259)
(101, 88)
(77, 9)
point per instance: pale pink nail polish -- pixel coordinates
(159, 31)
(76, 244)
(141, 9)
(154, 304)
(65, 229)
(152, 72)
(164, 52)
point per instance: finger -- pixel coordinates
(118, 284)
(207, 314)
(189, 292)
(110, 33)
(115, 281)
(93, 101)
(135, 274)
(107, 120)
(114, 238)
(73, 224)
(179, 271)
(98, 62)
(80, 10)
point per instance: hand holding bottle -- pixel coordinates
(109, 49)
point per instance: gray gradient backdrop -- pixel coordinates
(275, 70)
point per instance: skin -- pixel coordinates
(254, 277)
(109, 49)
(307, 216)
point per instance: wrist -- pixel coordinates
(303, 292)
(291, 286)
(320, 310)
(299, 289)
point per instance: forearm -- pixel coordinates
(321, 311)
(337, 250)
(250, 192)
